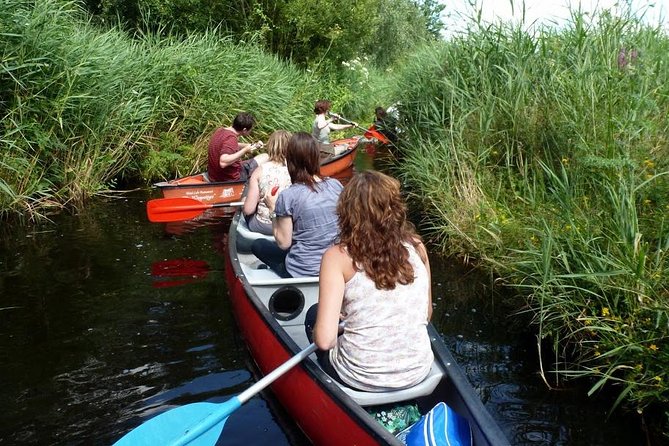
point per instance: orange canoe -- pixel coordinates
(336, 161)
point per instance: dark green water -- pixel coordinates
(107, 320)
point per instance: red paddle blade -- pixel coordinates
(373, 133)
(163, 210)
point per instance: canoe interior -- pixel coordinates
(284, 303)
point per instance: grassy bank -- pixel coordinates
(545, 156)
(83, 109)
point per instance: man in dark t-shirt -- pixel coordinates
(226, 152)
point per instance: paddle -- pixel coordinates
(371, 132)
(201, 424)
(348, 121)
(163, 210)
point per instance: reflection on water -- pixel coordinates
(91, 346)
(177, 272)
(107, 320)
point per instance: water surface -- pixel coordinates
(107, 320)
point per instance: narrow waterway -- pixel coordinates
(107, 320)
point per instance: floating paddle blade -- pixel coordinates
(197, 424)
(162, 210)
(201, 424)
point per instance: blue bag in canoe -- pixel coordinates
(441, 426)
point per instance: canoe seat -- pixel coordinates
(246, 237)
(425, 387)
(258, 274)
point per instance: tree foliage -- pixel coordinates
(306, 32)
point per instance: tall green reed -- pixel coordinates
(543, 155)
(89, 107)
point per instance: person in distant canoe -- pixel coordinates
(267, 180)
(386, 124)
(376, 279)
(323, 124)
(304, 219)
(226, 152)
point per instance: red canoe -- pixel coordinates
(270, 314)
(336, 161)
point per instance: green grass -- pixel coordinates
(540, 156)
(83, 108)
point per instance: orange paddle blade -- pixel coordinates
(373, 133)
(163, 210)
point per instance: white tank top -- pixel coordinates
(320, 129)
(273, 174)
(385, 344)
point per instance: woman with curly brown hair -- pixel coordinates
(376, 280)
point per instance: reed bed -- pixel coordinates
(85, 109)
(544, 156)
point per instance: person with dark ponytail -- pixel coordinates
(304, 221)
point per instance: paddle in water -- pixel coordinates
(163, 210)
(369, 133)
(201, 424)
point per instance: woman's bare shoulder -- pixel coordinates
(337, 252)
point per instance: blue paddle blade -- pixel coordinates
(197, 424)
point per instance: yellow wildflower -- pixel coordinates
(649, 164)
(653, 347)
(605, 311)
(565, 161)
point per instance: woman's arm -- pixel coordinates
(330, 297)
(253, 193)
(340, 126)
(422, 252)
(282, 227)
